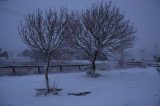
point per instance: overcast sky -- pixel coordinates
(145, 14)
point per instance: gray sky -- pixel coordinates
(145, 14)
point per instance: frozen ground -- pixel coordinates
(129, 87)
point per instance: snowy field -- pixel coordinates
(129, 87)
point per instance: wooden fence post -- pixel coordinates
(60, 68)
(79, 67)
(39, 70)
(14, 71)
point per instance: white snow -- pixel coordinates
(126, 87)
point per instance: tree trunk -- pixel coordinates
(46, 74)
(93, 64)
(93, 67)
(121, 61)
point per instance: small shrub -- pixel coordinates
(53, 90)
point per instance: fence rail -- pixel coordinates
(142, 64)
(154, 64)
(13, 67)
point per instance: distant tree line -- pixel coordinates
(70, 54)
(3, 54)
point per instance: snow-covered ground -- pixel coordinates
(129, 87)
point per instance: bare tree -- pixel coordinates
(42, 32)
(101, 28)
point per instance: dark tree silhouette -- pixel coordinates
(42, 32)
(101, 28)
(26, 53)
(3, 53)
